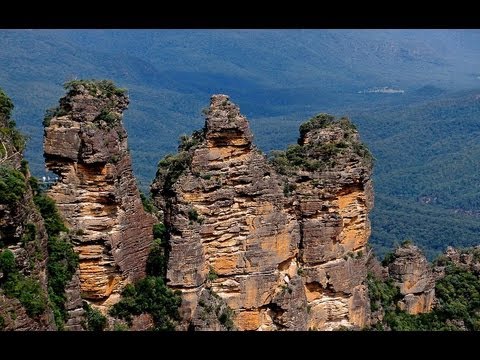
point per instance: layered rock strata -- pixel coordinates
(282, 245)
(85, 144)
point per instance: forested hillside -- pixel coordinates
(423, 139)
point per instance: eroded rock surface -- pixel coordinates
(85, 144)
(282, 244)
(413, 275)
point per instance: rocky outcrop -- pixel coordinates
(23, 281)
(412, 274)
(281, 243)
(466, 259)
(85, 144)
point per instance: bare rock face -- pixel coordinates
(283, 249)
(413, 275)
(85, 144)
(329, 173)
(226, 219)
(22, 235)
(74, 305)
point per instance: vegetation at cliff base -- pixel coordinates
(62, 259)
(26, 289)
(95, 320)
(149, 295)
(457, 308)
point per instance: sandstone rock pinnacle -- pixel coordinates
(283, 249)
(85, 144)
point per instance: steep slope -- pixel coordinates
(23, 238)
(85, 144)
(282, 256)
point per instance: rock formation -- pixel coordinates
(85, 144)
(22, 236)
(412, 274)
(281, 244)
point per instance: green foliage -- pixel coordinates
(147, 203)
(62, 259)
(62, 264)
(95, 87)
(8, 128)
(47, 207)
(318, 122)
(96, 321)
(193, 215)
(458, 295)
(54, 112)
(2, 323)
(7, 262)
(30, 233)
(26, 289)
(160, 232)
(382, 294)
(24, 167)
(156, 261)
(171, 167)
(212, 275)
(151, 296)
(315, 156)
(110, 117)
(120, 327)
(12, 185)
(389, 258)
(288, 188)
(192, 141)
(226, 318)
(294, 158)
(406, 243)
(6, 105)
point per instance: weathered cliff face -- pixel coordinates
(23, 238)
(85, 144)
(329, 174)
(413, 275)
(283, 249)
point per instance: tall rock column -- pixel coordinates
(283, 244)
(85, 144)
(229, 231)
(329, 177)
